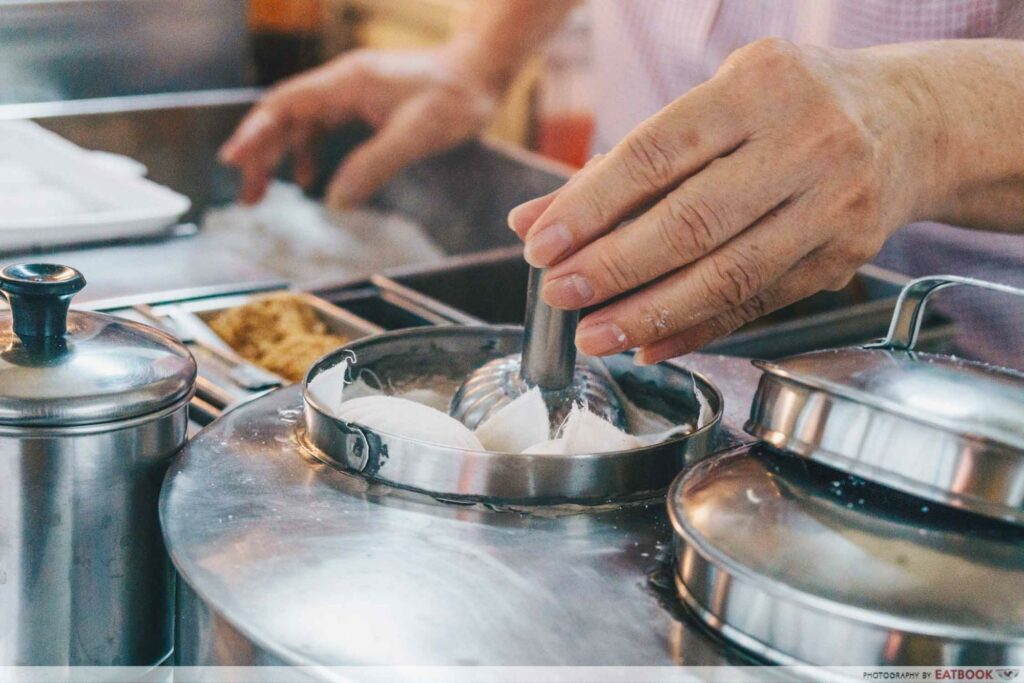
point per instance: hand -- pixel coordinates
(775, 179)
(418, 102)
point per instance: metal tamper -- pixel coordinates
(548, 361)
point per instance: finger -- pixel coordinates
(526, 214)
(304, 166)
(705, 212)
(667, 148)
(327, 95)
(303, 157)
(523, 216)
(413, 131)
(801, 282)
(260, 124)
(735, 272)
(255, 149)
(286, 119)
(264, 132)
(254, 183)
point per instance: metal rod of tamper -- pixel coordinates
(549, 340)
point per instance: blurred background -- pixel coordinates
(59, 50)
(163, 83)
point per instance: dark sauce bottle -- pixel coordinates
(287, 37)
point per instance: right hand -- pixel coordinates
(418, 103)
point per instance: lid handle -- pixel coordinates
(39, 295)
(909, 313)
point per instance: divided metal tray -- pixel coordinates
(222, 373)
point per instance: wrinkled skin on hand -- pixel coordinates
(418, 102)
(774, 180)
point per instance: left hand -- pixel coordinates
(418, 102)
(776, 179)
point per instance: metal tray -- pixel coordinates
(442, 357)
(337, 320)
(216, 389)
(799, 563)
(394, 306)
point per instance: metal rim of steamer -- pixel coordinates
(804, 627)
(469, 475)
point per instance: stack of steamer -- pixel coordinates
(882, 522)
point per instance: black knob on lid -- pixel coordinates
(39, 295)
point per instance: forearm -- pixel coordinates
(968, 96)
(499, 36)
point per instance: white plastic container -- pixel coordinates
(53, 192)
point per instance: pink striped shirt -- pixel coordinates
(652, 51)
(649, 52)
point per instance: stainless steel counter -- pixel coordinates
(290, 561)
(147, 271)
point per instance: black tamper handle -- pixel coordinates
(39, 295)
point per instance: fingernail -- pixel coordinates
(547, 245)
(522, 217)
(661, 351)
(512, 215)
(601, 339)
(640, 358)
(647, 357)
(568, 291)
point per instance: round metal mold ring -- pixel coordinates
(787, 625)
(459, 474)
(889, 447)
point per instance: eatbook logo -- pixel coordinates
(969, 674)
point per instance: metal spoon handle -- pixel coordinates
(549, 340)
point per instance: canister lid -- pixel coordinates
(950, 394)
(60, 369)
(803, 564)
(936, 426)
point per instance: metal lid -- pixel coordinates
(59, 368)
(801, 564)
(940, 427)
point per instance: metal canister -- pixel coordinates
(92, 409)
